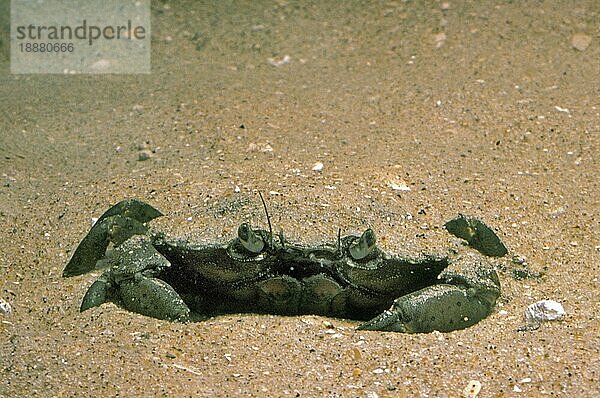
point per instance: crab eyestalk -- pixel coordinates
(363, 246)
(249, 239)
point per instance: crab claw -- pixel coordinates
(153, 297)
(477, 234)
(116, 225)
(114, 229)
(144, 295)
(132, 208)
(387, 321)
(96, 294)
(364, 246)
(440, 307)
(131, 281)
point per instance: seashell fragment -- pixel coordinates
(581, 41)
(472, 389)
(5, 307)
(544, 310)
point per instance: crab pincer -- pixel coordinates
(117, 224)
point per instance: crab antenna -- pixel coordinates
(268, 218)
(339, 243)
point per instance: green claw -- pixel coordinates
(90, 250)
(479, 235)
(97, 294)
(116, 229)
(387, 321)
(116, 225)
(132, 208)
(153, 297)
(440, 307)
(364, 246)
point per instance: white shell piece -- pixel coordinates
(318, 166)
(545, 310)
(5, 307)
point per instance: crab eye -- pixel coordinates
(249, 239)
(364, 246)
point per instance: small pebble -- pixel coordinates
(399, 185)
(472, 389)
(439, 39)
(285, 60)
(260, 147)
(519, 260)
(5, 308)
(558, 212)
(144, 155)
(581, 41)
(516, 388)
(544, 310)
(318, 166)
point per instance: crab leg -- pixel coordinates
(116, 225)
(467, 294)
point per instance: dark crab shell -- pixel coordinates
(290, 279)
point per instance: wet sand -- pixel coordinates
(482, 108)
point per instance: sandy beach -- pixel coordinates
(490, 109)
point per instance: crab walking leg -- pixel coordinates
(467, 294)
(116, 225)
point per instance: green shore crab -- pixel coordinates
(180, 280)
